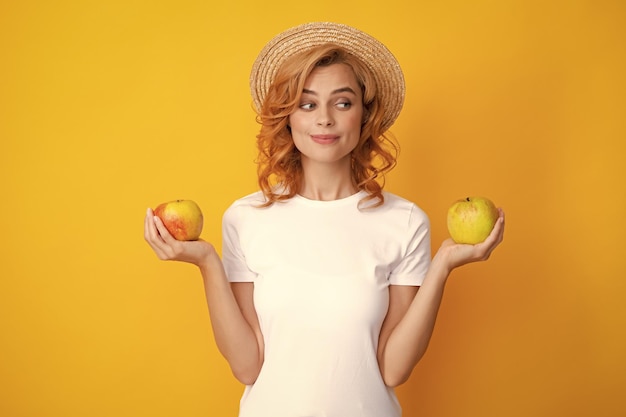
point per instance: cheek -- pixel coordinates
(356, 121)
(296, 122)
(357, 117)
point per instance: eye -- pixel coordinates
(344, 104)
(307, 106)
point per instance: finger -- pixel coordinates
(152, 233)
(172, 247)
(498, 229)
(148, 225)
(495, 237)
(164, 234)
(500, 225)
(154, 239)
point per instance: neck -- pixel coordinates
(326, 182)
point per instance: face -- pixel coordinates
(326, 126)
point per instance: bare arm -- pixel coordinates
(233, 318)
(234, 321)
(410, 320)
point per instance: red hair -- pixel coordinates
(279, 168)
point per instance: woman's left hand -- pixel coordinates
(454, 255)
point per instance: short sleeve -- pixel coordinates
(233, 257)
(412, 268)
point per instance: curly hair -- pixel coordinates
(279, 165)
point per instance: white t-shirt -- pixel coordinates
(321, 272)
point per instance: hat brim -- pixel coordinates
(384, 66)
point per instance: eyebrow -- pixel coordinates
(337, 91)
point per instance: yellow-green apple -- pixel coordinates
(471, 220)
(182, 218)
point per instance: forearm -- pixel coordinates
(234, 336)
(409, 340)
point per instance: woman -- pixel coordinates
(315, 304)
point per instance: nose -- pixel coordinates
(324, 117)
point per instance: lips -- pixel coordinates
(324, 139)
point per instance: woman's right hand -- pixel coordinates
(167, 248)
(233, 317)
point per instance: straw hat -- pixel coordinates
(385, 67)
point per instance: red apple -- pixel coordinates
(182, 218)
(471, 220)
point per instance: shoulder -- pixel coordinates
(239, 207)
(400, 206)
(396, 201)
(251, 200)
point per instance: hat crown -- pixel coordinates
(384, 66)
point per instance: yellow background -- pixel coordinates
(108, 107)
